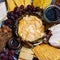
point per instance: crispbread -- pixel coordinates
(46, 52)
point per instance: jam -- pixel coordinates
(14, 43)
(52, 13)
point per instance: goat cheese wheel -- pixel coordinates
(31, 28)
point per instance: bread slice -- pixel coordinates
(11, 5)
(46, 52)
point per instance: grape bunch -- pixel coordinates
(7, 54)
(19, 11)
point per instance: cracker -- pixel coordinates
(46, 52)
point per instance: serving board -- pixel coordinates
(18, 51)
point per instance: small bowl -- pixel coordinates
(14, 43)
(46, 18)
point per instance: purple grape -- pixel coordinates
(12, 13)
(16, 10)
(9, 22)
(8, 15)
(21, 7)
(23, 11)
(10, 58)
(29, 7)
(11, 53)
(29, 11)
(5, 58)
(6, 51)
(7, 55)
(16, 16)
(20, 13)
(32, 7)
(2, 54)
(12, 17)
(37, 9)
(34, 10)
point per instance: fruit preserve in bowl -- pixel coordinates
(52, 14)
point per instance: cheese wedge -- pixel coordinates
(27, 2)
(11, 5)
(19, 2)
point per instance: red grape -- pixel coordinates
(6, 51)
(12, 13)
(11, 58)
(11, 53)
(29, 6)
(21, 7)
(37, 9)
(16, 16)
(16, 10)
(20, 13)
(8, 15)
(4, 58)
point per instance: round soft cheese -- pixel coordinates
(31, 28)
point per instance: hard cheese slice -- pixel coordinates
(19, 2)
(11, 5)
(27, 2)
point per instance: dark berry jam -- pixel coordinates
(14, 43)
(53, 13)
